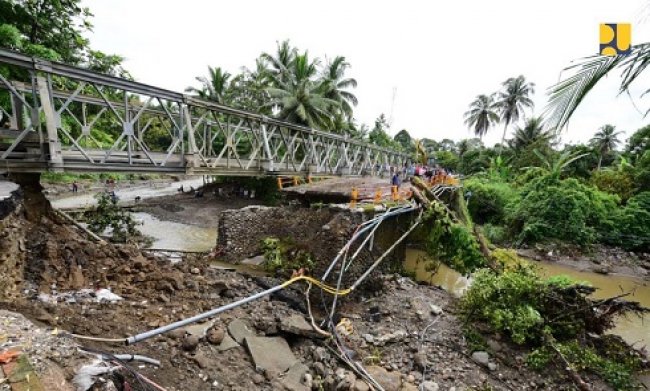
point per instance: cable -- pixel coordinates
(319, 283)
(97, 339)
(126, 357)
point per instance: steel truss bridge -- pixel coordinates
(59, 117)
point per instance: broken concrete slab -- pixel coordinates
(239, 330)
(254, 261)
(296, 324)
(388, 380)
(270, 353)
(227, 343)
(293, 379)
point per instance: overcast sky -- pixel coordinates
(435, 55)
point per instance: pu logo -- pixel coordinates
(615, 39)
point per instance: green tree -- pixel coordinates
(300, 98)
(336, 85)
(280, 61)
(512, 102)
(248, 89)
(605, 141)
(482, 115)
(638, 143)
(568, 94)
(215, 87)
(532, 132)
(53, 28)
(404, 139)
(379, 134)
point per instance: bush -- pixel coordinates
(632, 228)
(551, 315)
(619, 182)
(283, 256)
(109, 214)
(567, 210)
(619, 373)
(489, 200)
(450, 242)
(496, 234)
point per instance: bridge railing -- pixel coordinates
(55, 116)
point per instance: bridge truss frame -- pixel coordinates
(51, 122)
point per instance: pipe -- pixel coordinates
(385, 254)
(163, 329)
(122, 357)
(137, 357)
(370, 224)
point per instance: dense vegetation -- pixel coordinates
(555, 318)
(560, 194)
(54, 30)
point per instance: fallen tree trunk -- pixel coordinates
(68, 218)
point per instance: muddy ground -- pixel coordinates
(596, 259)
(408, 336)
(188, 209)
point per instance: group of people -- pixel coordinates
(416, 170)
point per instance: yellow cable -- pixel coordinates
(327, 288)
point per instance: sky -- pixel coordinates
(421, 63)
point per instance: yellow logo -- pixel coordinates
(615, 39)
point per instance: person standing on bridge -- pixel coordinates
(395, 181)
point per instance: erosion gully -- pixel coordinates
(177, 236)
(174, 236)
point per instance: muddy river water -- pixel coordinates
(633, 329)
(169, 235)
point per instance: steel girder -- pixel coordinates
(66, 118)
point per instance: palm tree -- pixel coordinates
(214, 87)
(512, 102)
(567, 94)
(482, 115)
(284, 56)
(336, 84)
(605, 141)
(248, 89)
(298, 97)
(532, 132)
(555, 167)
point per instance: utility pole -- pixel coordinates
(392, 107)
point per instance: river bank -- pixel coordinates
(408, 336)
(390, 337)
(596, 259)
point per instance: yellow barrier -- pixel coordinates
(378, 195)
(354, 197)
